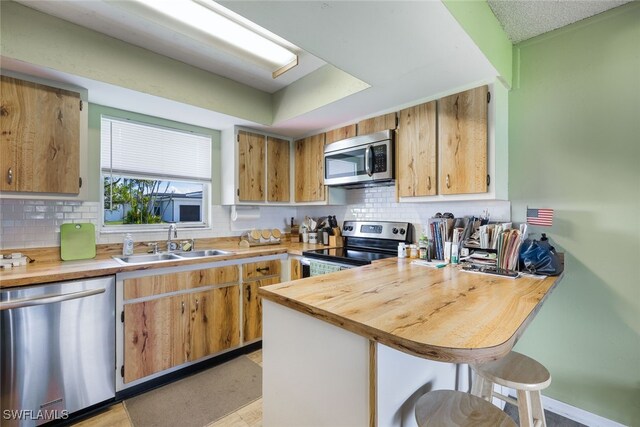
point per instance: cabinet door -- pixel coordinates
(295, 269)
(376, 124)
(309, 175)
(277, 170)
(252, 308)
(40, 138)
(416, 148)
(146, 286)
(251, 166)
(340, 134)
(462, 140)
(214, 321)
(154, 336)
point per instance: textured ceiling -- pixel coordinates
(523, 19)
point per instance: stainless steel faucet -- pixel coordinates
(171, 246)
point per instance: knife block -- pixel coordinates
(336, 241)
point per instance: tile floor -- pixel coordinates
(251, 414)
(247, 416)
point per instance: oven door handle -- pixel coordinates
(367, 159)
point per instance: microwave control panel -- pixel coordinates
(380, 158)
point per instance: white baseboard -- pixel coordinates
(576, 414)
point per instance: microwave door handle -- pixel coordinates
(367, 161)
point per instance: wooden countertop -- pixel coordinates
(440, 314)
(54, 271)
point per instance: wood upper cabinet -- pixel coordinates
(416, 150)
(462, 141)
(278, 170)
(251, 167)
(263, 168)
(39, 138)
(340, 134)
(377, 124)
(154, 336)
(309, 169)
(214, 323)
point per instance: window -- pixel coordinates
(153, 175)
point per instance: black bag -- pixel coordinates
(539, 257)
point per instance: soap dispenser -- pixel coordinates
(127, 245)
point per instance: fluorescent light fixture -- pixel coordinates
(228, 30)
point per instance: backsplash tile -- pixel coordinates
(36, 223)
(379, 203)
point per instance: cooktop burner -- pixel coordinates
(347, 255)
(366, 241)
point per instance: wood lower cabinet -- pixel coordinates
(254, 276)
(295, 268)
(154, 336)
(252, 308)
(462, 141)
(39, 138)
(161, 332)
(309, 169)
(214, 323)
(416, 150)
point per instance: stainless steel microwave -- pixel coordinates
(361, 160)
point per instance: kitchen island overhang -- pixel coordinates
(407, 327)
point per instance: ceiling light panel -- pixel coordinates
(206, 18)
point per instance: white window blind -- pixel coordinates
(131, 148)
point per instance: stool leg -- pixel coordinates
(537, 409)
(524, 409)
(476, 386)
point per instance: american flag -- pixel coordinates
(540, 217)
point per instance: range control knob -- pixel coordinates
(394, 231)
(402, 231)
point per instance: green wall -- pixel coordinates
(575, 146)
(96, 112)
(478, 20)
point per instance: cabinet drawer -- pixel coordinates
(256, 270)
(161, 284)
(212, 276)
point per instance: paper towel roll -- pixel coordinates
(244, 213)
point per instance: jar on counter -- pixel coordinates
(413, 251)
(423, 245)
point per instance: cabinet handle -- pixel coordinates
(10, 176)
(260, 270)
(182, 307)
(197, 303)
(429, 183)
(448, 183)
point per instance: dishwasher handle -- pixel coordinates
(47, 299)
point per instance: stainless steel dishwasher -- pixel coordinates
(57, 350)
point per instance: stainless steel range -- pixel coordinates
(365, 241)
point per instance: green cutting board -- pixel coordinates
(77, 241)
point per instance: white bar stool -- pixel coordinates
(443, 408)
(522, 373)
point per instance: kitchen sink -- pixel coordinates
(204, 253)
(145, 258)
